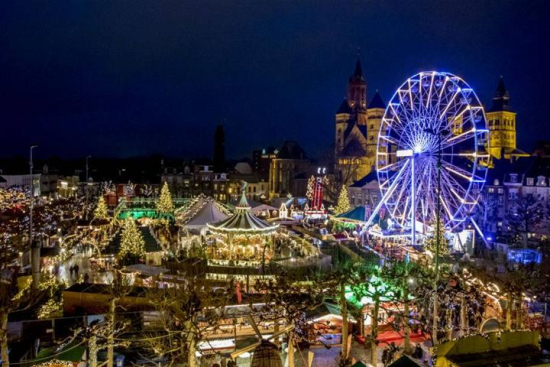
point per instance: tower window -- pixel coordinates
(497, 122)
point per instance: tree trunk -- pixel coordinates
(509, 311)
(435, 324)
(290, 354)
(191, 358)
(92, 351)
(111, 336)
(407, 327)
(374, 331)
(519, 318)
(450, 324)
(4, 338)
(463, 315)
(345, 332)
(275, 331)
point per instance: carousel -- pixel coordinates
(242, 239)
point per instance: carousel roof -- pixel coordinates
(242, 221)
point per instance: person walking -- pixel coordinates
(86, 278)
(76, 271)
(71, 269)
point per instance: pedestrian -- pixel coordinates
(76, 271)
(86, 277)
(71, 270)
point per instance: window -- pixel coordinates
(530, 181)
(501, 191)
(497, 122)
(513, 177)
(491, 190)
(512, 194)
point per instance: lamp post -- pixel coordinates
(35, 248)
(31, 166)
(86, 185)
(87, 158)
(439, 135)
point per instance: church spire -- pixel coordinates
(358, 73)
(357, 88)
(501, 99)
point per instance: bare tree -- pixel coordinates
(526, 214)
(188, 310)
(346, 169)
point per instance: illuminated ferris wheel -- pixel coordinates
(433, 120)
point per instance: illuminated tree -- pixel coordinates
(100, 212)
(193, 308)
(431, 241)
(132, 245)
(165, 205)
(343, 202)
(310, 188)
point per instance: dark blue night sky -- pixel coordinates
(125, 78)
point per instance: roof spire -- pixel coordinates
(358, 73)
(501, 91)
(377, 102)
(243, 203)
(501, 98)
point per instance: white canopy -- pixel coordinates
(208, 213)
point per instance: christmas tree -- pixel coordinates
(165, 205)
(343, 202)
(431, 241)
(100, 212)
(132, 246)
(310, 188)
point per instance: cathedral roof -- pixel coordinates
(372, 176)
(377, 102)
(354, 148)
(291, 150)
(344, 107)
(501, 99)
(357, 73)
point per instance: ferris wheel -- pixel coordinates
(431, 153)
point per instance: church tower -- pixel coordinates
(353, 160)
(357, 90)
(502, 125)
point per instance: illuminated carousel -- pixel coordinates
(242, 239)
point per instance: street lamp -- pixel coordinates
(86, 185)
(35, 250)
(439, 135)
(31, 166)
(88, 157)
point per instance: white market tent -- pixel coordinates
(258, 210)
(208, 213)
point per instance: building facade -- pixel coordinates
(289, 171)
(516, 200)
(357, 127)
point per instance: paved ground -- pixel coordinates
(82, 259)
